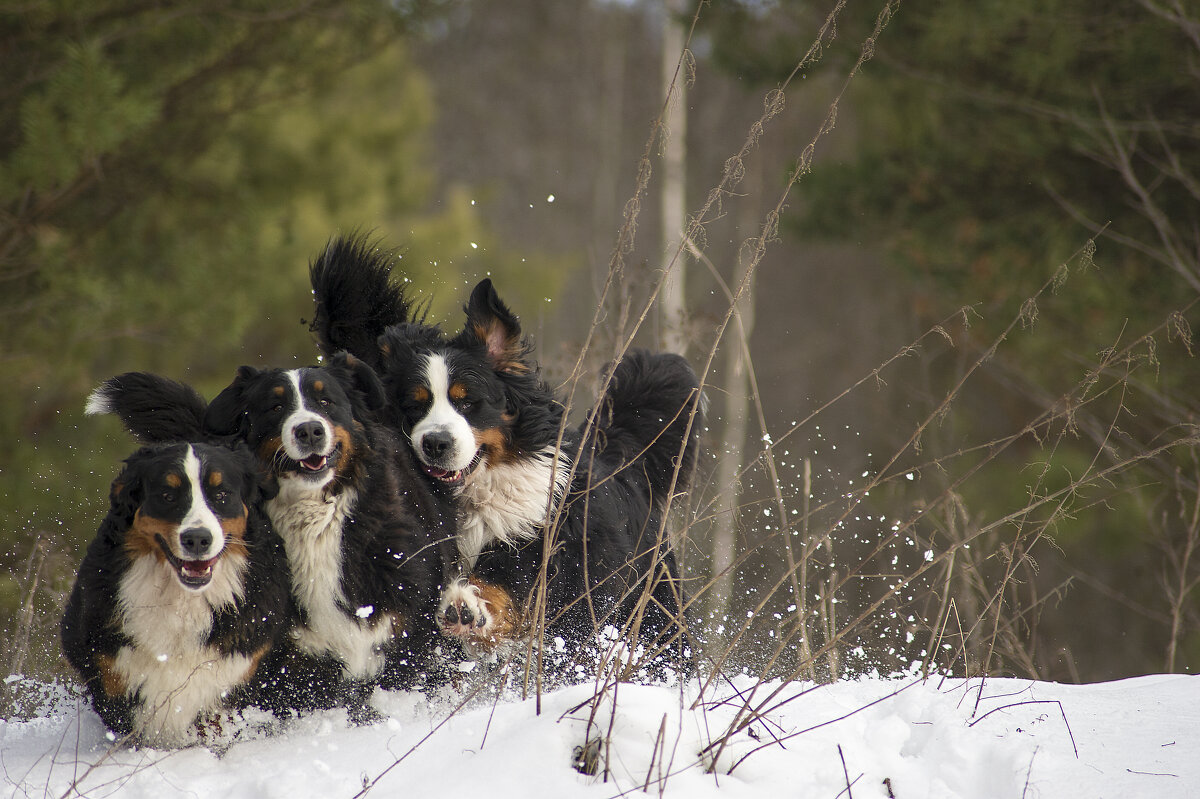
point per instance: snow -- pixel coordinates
(940, 737)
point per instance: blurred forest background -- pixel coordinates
(953, 419)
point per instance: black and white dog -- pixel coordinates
(485, 429)
(184, 591)
(364, 534)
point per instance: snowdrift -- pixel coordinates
(896, 737)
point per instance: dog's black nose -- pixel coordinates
(195, 542)
(310, 434)
(435, 445)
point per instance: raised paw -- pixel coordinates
(462, 613)
(481, 615)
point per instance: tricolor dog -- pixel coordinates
(484, 429)
(183, 592)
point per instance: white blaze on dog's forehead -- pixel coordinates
(199, 514)
(293, 376)
(443, 418)
(300, 414)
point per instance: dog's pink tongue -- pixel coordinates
(198, 568)
(314, 463)
(444, 475)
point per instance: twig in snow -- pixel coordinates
(1028, 773)
(658, 743)
(1035, 702)
(845, 771)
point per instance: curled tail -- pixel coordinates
(356, 298)
(153, 408)
(652, 415)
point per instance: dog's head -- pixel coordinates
(465, 403)
(185, 506)
(305, 425)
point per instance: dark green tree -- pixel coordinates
(166, 172)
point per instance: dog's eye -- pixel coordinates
(277, 408)
(220, 496)
(168, 497)
(325, 402)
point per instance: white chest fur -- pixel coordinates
(168, 663)
(508, 502)
(311, 528)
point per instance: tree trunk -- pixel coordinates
(736, 390)
(673, 310)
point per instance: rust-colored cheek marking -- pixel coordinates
(235, 534)
(496, 443)
(111, 681)
(268, 449)
(506, 618)
(139, 538)
(346, 442)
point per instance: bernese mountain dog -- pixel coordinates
(184, 590)
(586, 507)
(365, 536)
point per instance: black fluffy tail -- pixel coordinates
(356, 299)
(154, 409)
(652, 415)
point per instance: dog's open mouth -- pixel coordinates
(194, 574)
(315, 465)
(450, 478)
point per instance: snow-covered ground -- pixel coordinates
(875, 737)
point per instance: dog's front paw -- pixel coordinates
(481, 615)
(462, 611)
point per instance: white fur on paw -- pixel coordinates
(462, 613)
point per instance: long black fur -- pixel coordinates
(611, 536)
(354, 307)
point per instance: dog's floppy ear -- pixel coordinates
(226, 413)
(260, 483)
(126, 495)
(360, 379)
(493, 326)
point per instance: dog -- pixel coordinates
(484, 428)
(365, 537)
(184, 590)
